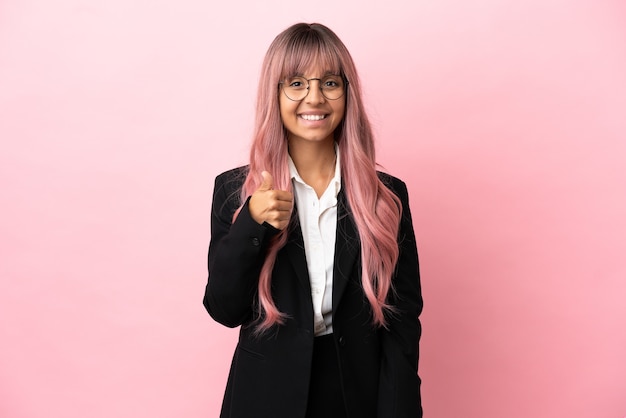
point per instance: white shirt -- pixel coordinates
(318, 221)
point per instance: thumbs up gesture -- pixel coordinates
(269, 205)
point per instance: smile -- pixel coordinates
(313, 117)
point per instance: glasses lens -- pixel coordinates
(332, 87)
(297, 88)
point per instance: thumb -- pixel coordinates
(268, 181)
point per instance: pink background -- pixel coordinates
(506, 118)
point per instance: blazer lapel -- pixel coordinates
(295, 249)
(347, 248)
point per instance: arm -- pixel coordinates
(399, 387)
(236, 254)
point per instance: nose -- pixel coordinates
(314, 95)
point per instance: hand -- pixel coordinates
(269, 205)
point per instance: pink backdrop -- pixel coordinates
(506, 118)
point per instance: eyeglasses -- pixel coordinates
(331, 86)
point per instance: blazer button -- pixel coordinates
(255, 241)
(341, 341)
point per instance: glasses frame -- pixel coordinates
(281, 85)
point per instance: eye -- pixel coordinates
(296, 83)
(331, 82)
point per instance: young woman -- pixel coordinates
(312, 250)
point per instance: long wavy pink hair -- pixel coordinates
(376, 210)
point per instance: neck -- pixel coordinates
(315, 162)
(313, 157)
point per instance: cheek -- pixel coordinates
(286, 109)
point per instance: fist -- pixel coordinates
(269, 205)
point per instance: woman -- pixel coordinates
(312, 250)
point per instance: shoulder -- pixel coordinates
(227, 189)
(234, 174)
(393, 183)
(232, 179)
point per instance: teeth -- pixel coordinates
(313, 117)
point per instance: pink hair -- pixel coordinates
(375, 209)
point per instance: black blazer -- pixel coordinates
(269, 375)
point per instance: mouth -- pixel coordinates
(312, 117)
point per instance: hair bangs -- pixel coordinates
(311, 50)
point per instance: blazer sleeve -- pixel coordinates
(399, 384)
(236, 254)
